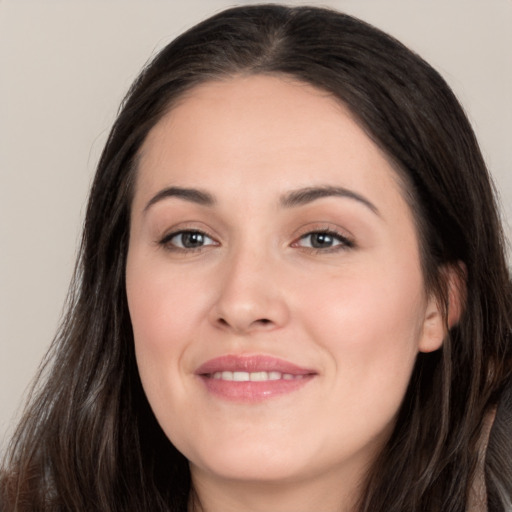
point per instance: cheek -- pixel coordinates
(151, 307)
(162, 312)
(368, 306)
(163, 305)
(371, 325)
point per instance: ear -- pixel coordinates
(437, 320)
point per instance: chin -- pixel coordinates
(256, 462)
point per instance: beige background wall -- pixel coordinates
(64, 67)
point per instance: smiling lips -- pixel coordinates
(252, 378)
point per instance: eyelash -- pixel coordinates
(166, 240)
(344, 243)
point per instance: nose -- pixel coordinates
(250, 298)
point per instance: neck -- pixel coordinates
(330, 493)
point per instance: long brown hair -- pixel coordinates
(89, 440)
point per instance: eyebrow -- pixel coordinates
(309, 194)
(193, 195)
(291, 199)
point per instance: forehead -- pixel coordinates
(257, 131)
(251, 112)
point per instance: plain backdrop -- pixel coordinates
(64, 68)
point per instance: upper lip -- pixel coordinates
(251, 363)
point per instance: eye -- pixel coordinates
(325, 240)
(187, 240)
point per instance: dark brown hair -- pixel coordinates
(89, 440)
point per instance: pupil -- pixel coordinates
(192, 239)
(319, 240)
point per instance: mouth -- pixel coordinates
(252, 378)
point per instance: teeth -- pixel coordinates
(259, 376)
(254, 376)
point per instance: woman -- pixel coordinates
(292, 292)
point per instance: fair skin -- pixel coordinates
(266, 223)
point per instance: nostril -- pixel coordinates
(244, 323)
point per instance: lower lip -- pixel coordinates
(249, 391)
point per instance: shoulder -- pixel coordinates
(498, 459)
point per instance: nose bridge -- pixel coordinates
(249, 296)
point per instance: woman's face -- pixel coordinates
(274, 283)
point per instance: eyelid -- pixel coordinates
(170, 236)
(346, 240)
(164, 241)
